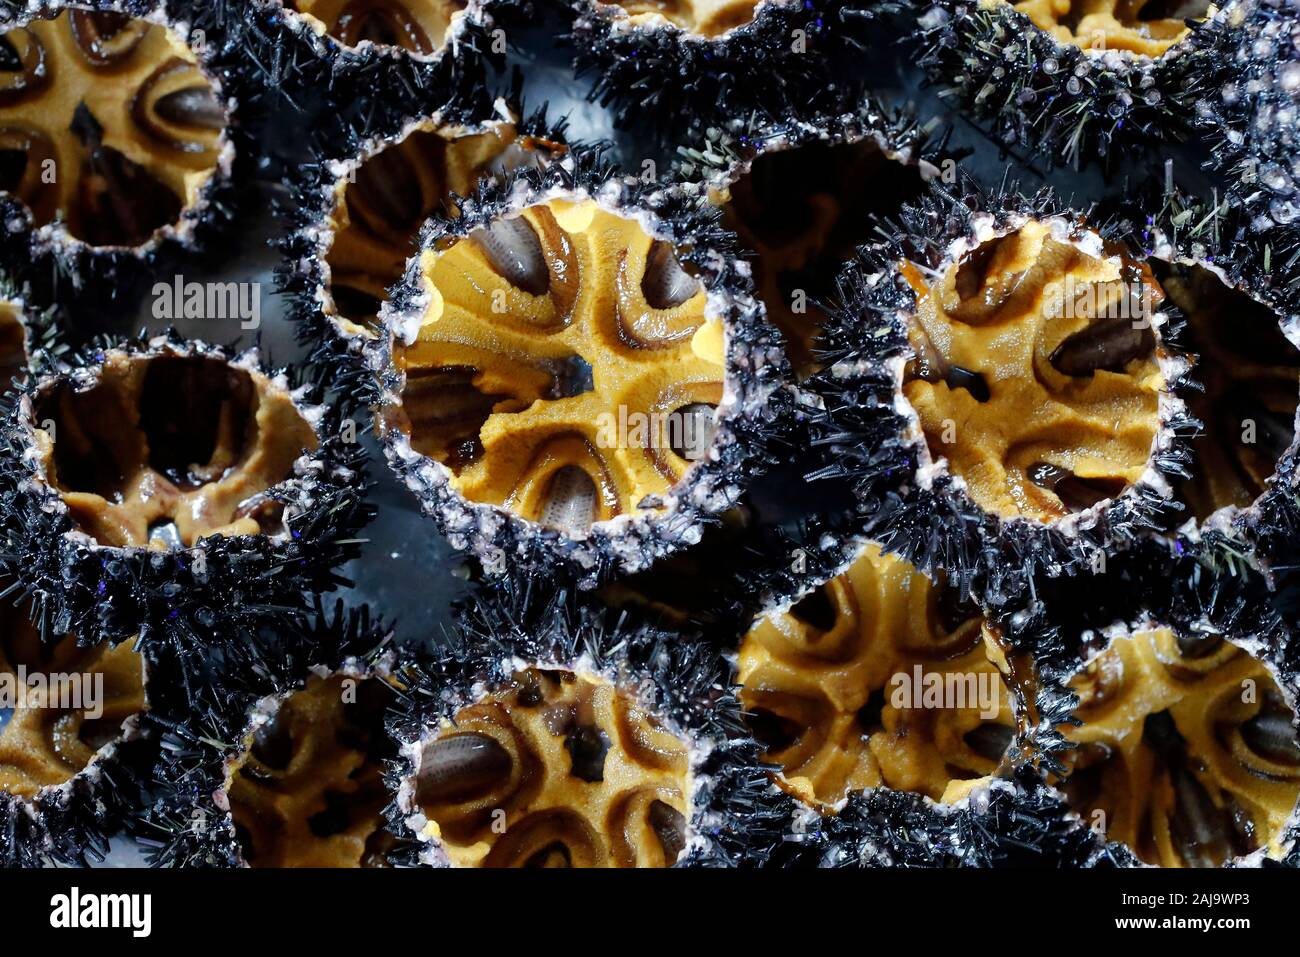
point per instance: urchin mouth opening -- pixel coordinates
(804, 210)
(564, 368)
(308, 789)
(555, 769)
(61, 704)
(144, 122)
(877, 678)
(1249, 372)
(164, 450)
(416, 26)
(1186, 751)
(1025, 353)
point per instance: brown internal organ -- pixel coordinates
(91, 691)
(1145, 27)
(379, 210)
(1251, 377)
(707, 18)
(831, 692)
(166, 450)
(557, 769)
(417, 26)
(107, 123)
(1035, 373)
(1189, 759)
(804, 211)
(563, 369)
(309, 790)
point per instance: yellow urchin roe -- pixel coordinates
(165, 450)
(418, 26)
(1035, 373)
(563, 366)
(558, 769)
(13, 342)
(1250, 373)
(74, 703)
(378, 212)
(308, 789)
(1186, 752)
(877, 678)
(708, 18)
(114, 127)
(1145, 27)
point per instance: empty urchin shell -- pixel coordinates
(554, 733)
(983, 300)
(287, 770)
(1071, 79)
(573, 372)
(1181, 747)
(121, 132)
(1241, 323)
(706, 60)
(802, 190)
(156, 481)
(69, 744)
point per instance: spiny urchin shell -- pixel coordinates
(71, 746)
(321, 667)
(103, 584)
(1238, 298)
(1252, 112)
(728, 815)
(1070, 103)
(160, 159)
(910, 499)
(728, 335)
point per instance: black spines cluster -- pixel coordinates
(756, 370)
(176, 816)
(739, 818)
(940, 527)
(671, 78)
(277, 62)
(1070, 106)
(307, 210)
(1016, 822)
(101, 593)
(1250, 114)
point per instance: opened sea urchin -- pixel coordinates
(68, 711)
(167, 478)
(877, 678)
(568, 375)
(1185, 750)
(114, 134)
